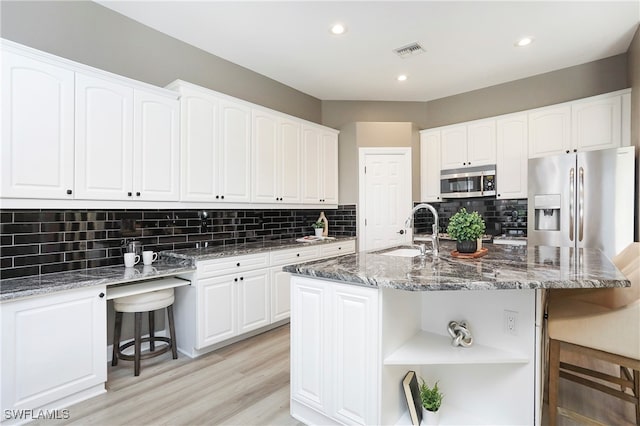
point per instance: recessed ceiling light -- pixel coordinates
(338, 29)
(402, 77)
(525, 41)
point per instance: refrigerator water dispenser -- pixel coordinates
(547, 212)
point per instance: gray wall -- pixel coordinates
(91, 34)
(634, 83)
(338, 113)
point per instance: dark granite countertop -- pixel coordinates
(504, 267)
(171, 263)
(214, 252)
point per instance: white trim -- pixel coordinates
(362, 154)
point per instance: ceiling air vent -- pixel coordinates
(409, 50)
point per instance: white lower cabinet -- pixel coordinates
(334, 352)
(280, 294)
(254, 302)
(217, 319)
(53, 349)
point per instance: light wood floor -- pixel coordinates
(247, 383)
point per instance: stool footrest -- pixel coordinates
(145, 355)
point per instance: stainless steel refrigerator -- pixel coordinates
(582, 200)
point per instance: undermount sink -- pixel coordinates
(403, 252)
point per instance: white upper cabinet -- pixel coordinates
(430, 165)
(104, 139)
(235, 155)
(37, 128)
(468, 145)
(319, 166)
(511, 158)
(596, 123)
(156, 142)
(549, 131)
(276, 155)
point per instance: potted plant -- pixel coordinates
(431, 401)
(466, 228)
(318, 227)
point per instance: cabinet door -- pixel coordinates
(512, 158)
(52, 347)
(454, 147)
(481, 143)
(430, 166)
(156, 143)
(549, 131)
(289, 166)
(265, 157)
(37, 129)
(199, 133)
(311, 153)
(280, 294)
(235, 152)
(310, 357)
(254, 301)
(354, 335)
(597, 124)
(217, 310)
(104, 139)
(329, 168)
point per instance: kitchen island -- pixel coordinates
(360, 322)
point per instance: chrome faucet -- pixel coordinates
(434, 237)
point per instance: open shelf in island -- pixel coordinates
(426, 348)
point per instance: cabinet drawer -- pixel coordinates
(337, 249)
(295, 255)
(230, 265)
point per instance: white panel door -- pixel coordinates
(430, 166)
(387, 197)
(597, 124)
(52, 347)
(217, 310)
(280, 294)
(481, 143)
(549, 131)
(311, 173)
(265, 157)
(104, 139)
(454, 147)
(310, 379)
(512, 157)
(329, 169)
(355, 352)
(199, 133)
(156, 145)
(254, 301)
(37, 129)
(235, 152)
(289, 162)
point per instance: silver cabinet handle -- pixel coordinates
(581, 205)
(572, 192)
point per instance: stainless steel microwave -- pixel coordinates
(479, 181)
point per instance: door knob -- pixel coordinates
(401, 232)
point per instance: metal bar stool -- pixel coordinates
(137, 304)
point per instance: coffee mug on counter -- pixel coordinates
(148, 257)
(131, 259)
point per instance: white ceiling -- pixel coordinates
(469, 45)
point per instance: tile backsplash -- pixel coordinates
(36, 242)
(499, 215)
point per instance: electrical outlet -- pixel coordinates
(511, 322)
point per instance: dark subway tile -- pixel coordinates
(6, 240)
(38, 259)
(19, 250)
(6, 217)
(37, 238)
(19, 272)
(62, 267)
(20, 228)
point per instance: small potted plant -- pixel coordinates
(318, 227)
(466, 228)
(431, 401)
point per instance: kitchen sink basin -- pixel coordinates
(403, 252)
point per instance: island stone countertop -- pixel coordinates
(503, 268)
(215, 252)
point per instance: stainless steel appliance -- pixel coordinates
(582, 200)
(469, 182)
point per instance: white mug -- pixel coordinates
(148, 257)
(131, 259)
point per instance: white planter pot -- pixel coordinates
(319, 232)
(430, 417)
